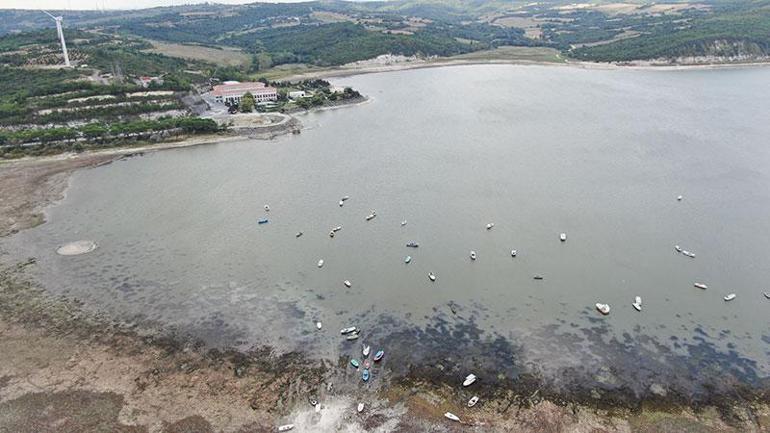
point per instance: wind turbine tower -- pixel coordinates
(61, 38)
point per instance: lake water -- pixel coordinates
(600, 155)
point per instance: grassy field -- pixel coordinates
(223, 56)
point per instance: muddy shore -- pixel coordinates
(63, 369)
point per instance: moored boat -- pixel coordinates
(514, 253)
(603, 308)
(730, 297)
(370, 216)
(318, 325)
(360, 407)
(403, 223)
(353, 336)
(563, 237)
(452, 416)
(472, 402)
(637, 303)
(348, 330)
(267, 208)
(262, 221)
(767, 295)
(538, 277)
(320, 263)
(678, 248)
(490, 225)
(701, 286)
(469, 379)
(431, 276)
(285, 427)
(365, 375)
(407, 259)
(473, 255)
(366, 351)
(345, 198)
(354, 363)
(341, 203)
(378, 356)
(298, 234)
(331, 234)
(347, 283)
(336, 229)
(412, 245)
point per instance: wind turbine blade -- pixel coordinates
(53, 17)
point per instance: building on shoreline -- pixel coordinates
(231, 92)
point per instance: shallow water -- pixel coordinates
(600, 155)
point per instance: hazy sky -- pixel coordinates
(108, 4)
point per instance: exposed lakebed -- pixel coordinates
(600, 155)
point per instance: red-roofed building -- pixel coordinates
(233, 92)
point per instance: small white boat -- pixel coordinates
(678, 248)
(563, 237)
(352, 337)
(267, 208)
(341, 203)
(407, 259)
(688, 254)
(452, 416)
(347, 283)
(360, 407)
(318, 325)
(679, 198)
(469, 379)
(320, 263)
(431, 276)
(538, 277)
(472, 402)
(730, 297)
(286, 427)
(298, 234)
(403, 223)
(490, 225)
(767, 295)
(366, 351)
(513, 253)
(346, 198)
(336, 229)
(701, 286)
(331, 234)
(473, 255)
(603, 308)
(371, 215)
(637, 303)
(348, 330)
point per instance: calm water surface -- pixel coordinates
(600, 155)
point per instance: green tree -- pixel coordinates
(247, 103)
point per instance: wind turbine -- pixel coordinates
(61, 38)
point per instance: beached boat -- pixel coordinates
(267, 208)
(286, 427)
(538, 277)
(730, 297)
(347, 283)
(360, 407)
(379, 355)
(701, 286)
(452, 416)
(469, 379)
(603, 308)
(348, 330)
(563, 237)
(365, 375)
(678, 248)
(365, 351)
(354, 363)
(262, 221)
(318, 325)
(514, 253)
(298, 234)
(472, 402)
(407, 259)
(412, 245)
(490, 225)
(473, 255)
(320, 263)
(431, 276)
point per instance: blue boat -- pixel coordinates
(354, 363)
(262, 221)
(378, 355)
(365, 375)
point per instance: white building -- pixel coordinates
(231, 92)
